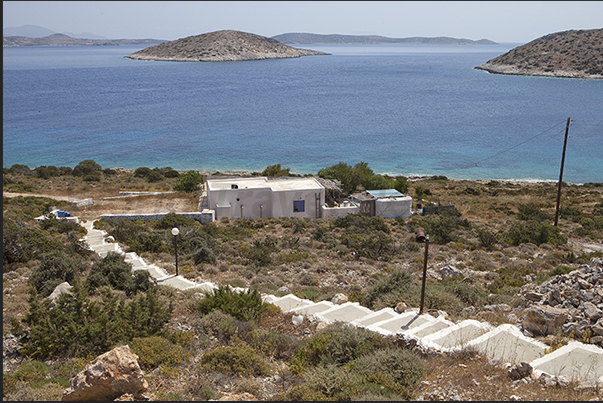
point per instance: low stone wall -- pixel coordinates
(203, 216)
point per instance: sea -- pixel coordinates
(411, 110)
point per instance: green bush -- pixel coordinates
(276, 170)
(156, 351)
(188, 182)
(333, 382)
(86, 168)
(240, 360)
(531, 211)
(337, 344)
(55, 268)
(402, 366)
(535, 232)
(272, 344)
(112, 270)
(246, 305)
(400, 286)
(78, 325)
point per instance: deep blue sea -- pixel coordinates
(403, 109)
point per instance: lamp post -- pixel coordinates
(175, 232)
(422, 238)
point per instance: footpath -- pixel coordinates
(505, 343)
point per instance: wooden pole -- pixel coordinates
(561, 172)
(424, 276)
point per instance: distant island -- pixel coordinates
(221, 46)
(567, 54)
(305, 38)
(66, 40)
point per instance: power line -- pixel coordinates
(517, 145)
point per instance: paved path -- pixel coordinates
(504, 343)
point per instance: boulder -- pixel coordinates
(541, 320)
(108, 377)
(520, 371)
(63, 288)
(339, 299)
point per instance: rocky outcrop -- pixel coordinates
(108, 377)
(568, 54)
(570, 304)
(221, 46)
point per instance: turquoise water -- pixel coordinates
(405, 110)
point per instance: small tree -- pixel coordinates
(189, 182)
(86, 167)
(275, 170)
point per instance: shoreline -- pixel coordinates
(410, 177)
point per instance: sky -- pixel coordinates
(499, 21)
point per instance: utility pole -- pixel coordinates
(561, 172)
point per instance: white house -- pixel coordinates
(262, 197)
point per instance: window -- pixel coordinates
(299, 206)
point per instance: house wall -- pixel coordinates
(283, 203)
(394, 207)
(250, 199)
(263, 201)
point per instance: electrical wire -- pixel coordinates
(523, 142)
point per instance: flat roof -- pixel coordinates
(384, 193)
(262, 182)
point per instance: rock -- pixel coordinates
(297, 319)
(520, 371)
(339, 299)
(541, 320)
(63, 288)
(401, 307)
(108, 377)
(283, 289)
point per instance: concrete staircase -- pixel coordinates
(504, 343)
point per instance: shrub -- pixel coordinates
(77, 325)
(87, 167)
(240, 360)
(337, 344)
(402, 366)
(271, 343)
(55, 268)
(156, 351)
(275, 170)
(400, 285)
(114, 271)
(246, 305)
(531, 211)
(534, 232)
(333, 382)
(188, 182)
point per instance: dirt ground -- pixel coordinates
(124, 204)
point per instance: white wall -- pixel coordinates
(394, 207)
(263, 201)
(335, 212)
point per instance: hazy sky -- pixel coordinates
(500, 21)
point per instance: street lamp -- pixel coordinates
(422, 238)
(175, 232)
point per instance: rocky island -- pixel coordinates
(221, 46)
(66, 40)
(299, 38)
(567, 54)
